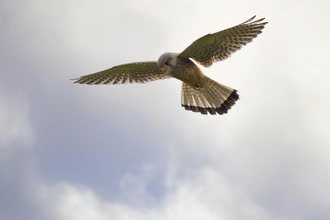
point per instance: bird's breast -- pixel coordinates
(188, 72)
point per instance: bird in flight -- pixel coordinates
(199, 93)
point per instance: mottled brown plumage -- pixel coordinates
(219, 46)
(199, 92)
(139, 72)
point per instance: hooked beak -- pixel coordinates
(164, 69)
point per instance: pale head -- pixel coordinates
(167, 61)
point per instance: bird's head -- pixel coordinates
(166, 62)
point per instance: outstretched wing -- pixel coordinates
(219, 46)
(140, 72)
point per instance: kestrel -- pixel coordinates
(199, 92)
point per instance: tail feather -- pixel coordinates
(200, 101)
(213, 98)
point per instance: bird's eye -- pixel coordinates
(166, 63)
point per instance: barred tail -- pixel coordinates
(213, 98)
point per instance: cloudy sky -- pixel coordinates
(78, 152)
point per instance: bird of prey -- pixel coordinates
(199, 92)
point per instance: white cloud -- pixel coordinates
(204, 195)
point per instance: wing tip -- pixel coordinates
(76, 80)
(256, 21)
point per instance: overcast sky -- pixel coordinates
(131, 152)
